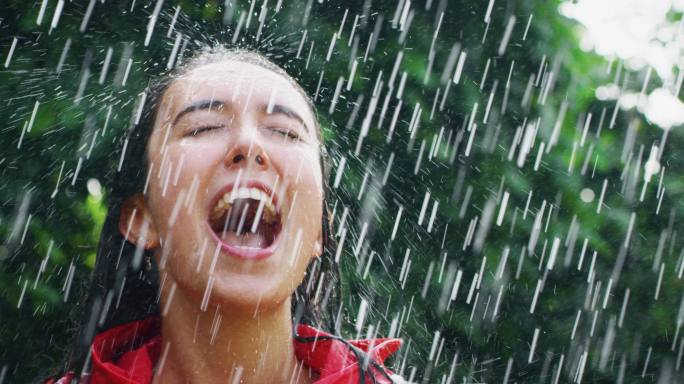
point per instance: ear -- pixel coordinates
(136, 224)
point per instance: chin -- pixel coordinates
(248, 293)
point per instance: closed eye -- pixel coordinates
(196, 131)
(288, 133)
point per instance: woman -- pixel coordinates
(215, 261)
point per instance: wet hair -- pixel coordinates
(124, 284)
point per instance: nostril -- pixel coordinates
(238, 158)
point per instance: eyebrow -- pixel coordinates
(278, 109)
(199, 106)
(283, 110)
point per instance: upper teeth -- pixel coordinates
(265, 201)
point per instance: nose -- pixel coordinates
(247, 152)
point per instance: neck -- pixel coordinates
(225, 344)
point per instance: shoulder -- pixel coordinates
(340, 360)
(137, 340)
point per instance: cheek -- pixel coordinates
(177, 181)
(302, 179)
(307, 184)
(302, 167)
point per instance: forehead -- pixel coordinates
(239, 83)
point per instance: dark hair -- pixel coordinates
(124, 284)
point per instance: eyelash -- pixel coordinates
(199, 130)
(291, 135)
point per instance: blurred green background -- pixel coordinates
(538, 226)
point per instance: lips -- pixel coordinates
(245, 220)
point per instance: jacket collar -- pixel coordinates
(127, 354)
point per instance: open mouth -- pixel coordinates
(246, 220)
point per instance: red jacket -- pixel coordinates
(116, 360)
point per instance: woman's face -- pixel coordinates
(235, 185)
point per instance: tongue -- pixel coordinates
(246, 239)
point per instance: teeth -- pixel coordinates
(269, 211)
